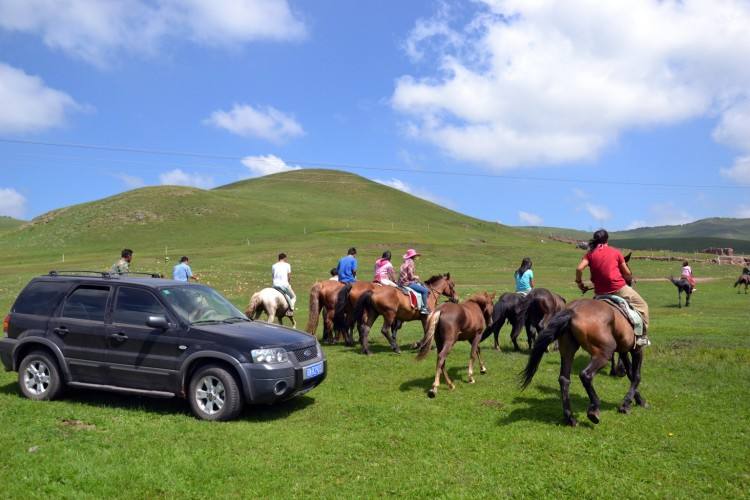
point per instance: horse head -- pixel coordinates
(486, 303)
(443, 284)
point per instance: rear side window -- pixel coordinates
(134, 306)
(86, 302)
(40, 298)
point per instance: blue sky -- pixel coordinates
(592, 114)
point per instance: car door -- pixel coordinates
(141, 356)
(80, 330)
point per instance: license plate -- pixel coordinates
(314, 370)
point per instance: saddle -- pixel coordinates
(286, 296)
(624, 308)
(414, 298)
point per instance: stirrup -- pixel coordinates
(642, 341)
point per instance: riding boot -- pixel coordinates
(643, 340)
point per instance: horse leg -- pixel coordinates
(473, 355)
(679, 298)
(364, 335)
(482, 367)
(445, 351)
(598, 360)
(568, 350)
(634, 373)
(514, 333)
(388, 321)
(271, 315)
(444, 348)
(687, 298)
(617, 368)
(496, 333)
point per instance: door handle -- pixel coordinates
(61, 331)
(119, 337)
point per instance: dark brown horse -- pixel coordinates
(508, 308)
(540, 306)
(396, 307)
(343, 317)
(682, 285)
(601, 331)
(744, 279)
(323, 295)
(451, 323)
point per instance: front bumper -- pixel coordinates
(267, 384)
(6, 352)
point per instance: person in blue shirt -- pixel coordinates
(182, 271)
(524, 277)
(347, 267)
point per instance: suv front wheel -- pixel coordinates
(39, 376)
(214, 394)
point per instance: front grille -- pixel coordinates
(306, 353)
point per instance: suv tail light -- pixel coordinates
(6, 324)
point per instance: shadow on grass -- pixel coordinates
(170, 406)
(456, 373)
(549, 409)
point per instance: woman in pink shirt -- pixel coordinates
(687, 274)
(384, 272)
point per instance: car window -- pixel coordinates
(86, 302)
(134, 306)
(40, 298)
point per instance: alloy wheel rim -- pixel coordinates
(210, 395)
(37, 377)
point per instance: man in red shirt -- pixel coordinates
(611, 276)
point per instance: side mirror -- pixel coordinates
(157, 322)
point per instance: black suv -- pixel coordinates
(156, 337)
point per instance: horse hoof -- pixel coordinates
(644, 404)
(366, 352)
(593, 416)
(624, 409)
(431, 393)
(497, 348)
(472, 381)
(483, 371)
(416, 345)
(572, 422)
(452, 387)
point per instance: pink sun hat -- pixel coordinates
(411, 253)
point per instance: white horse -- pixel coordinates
(273, 303)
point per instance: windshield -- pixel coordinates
(201, 304)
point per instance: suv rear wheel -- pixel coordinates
(214, 394)
(39, 376)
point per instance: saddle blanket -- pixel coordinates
(626, 309)
(414, 297)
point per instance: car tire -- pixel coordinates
(39, 376)
(214, 394)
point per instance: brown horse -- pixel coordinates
(343, 317)
(539, 308)
(395, 307)
(601, 331)
(451, 323)
(323, 295)
(744, 279)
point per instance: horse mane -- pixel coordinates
(482, 297)
(435, 279)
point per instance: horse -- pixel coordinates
(453, 322)
(540, 305)
(744, 279)
(273, 303)
(508, 308)
(682, 285)
(343, 316)
(600, 330)
(395, 307)
(323, 295)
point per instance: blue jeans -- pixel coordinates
(422, 290)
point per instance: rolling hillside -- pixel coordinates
(9, 223)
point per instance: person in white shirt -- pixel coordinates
(282, 274)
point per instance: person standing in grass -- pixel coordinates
(384, 272)
(122, 266)
(611, 276)
(687, 274)
(282, 278)
(182, 271)
(524, 277)
(347, 267)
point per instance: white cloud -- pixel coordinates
(419, 193)
(28, 105)
(96, 31)
(739, 172)
(598, 212)
(266, 123)
(12, 203)
(529, 219)
(267, 165)
(130, 181)
(546, 82)
(177, 177)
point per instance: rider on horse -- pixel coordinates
(524, 277)
(687, 274)
(408, 278)
(282, 274)
(611, 276)
(384, 273)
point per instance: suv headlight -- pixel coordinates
(274, 355)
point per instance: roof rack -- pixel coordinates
(100, 274)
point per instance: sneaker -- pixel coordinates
(424, 311)
(642, 341)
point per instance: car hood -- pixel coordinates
(258, 333)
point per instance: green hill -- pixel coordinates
(715, 227)
(9, 223)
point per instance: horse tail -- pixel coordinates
(255, 302)
(499, 315)
(363, 304)
(432, 322)
(556, 328)
(312, 319)
(340, 323)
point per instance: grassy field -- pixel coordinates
(370, 430)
